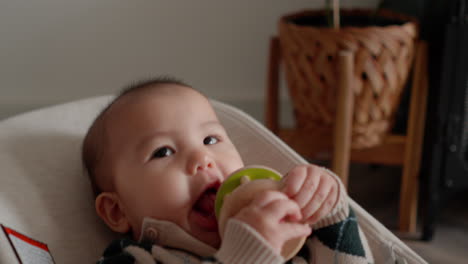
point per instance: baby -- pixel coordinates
(156, 157)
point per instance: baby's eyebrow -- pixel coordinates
(143, 142)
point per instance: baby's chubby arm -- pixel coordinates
(313, 189)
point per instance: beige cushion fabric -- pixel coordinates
(44, 193)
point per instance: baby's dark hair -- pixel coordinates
(92, 152)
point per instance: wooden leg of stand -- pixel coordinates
(414, 140)
(344, 117)
(272, 105)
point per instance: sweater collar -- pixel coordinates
(168, 234)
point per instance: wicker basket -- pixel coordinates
(383, 55)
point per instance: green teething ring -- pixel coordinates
(234, 180)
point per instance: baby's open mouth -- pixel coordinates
(204, 208)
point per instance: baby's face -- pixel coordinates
(168, 155)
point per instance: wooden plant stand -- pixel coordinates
(402, 150)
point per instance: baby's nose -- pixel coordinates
(205, 165)
(200, 160)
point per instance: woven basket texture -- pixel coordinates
(383, 57)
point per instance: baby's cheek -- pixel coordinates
(177, 195)
(235, 162)
(170, 207)
(167, 196)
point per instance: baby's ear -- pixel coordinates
(109, 209)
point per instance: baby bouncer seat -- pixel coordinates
(45, 194)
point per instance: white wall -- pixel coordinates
(55, 51)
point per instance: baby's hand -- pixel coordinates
(314, 190)
(275, 217)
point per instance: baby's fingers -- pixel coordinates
(307, 190)
(295, 230)
(283, 210)
(321, 204)
(293, 181)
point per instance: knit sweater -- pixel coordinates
(337, 238)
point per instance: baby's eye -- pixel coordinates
(210, 140)
(162, 152)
